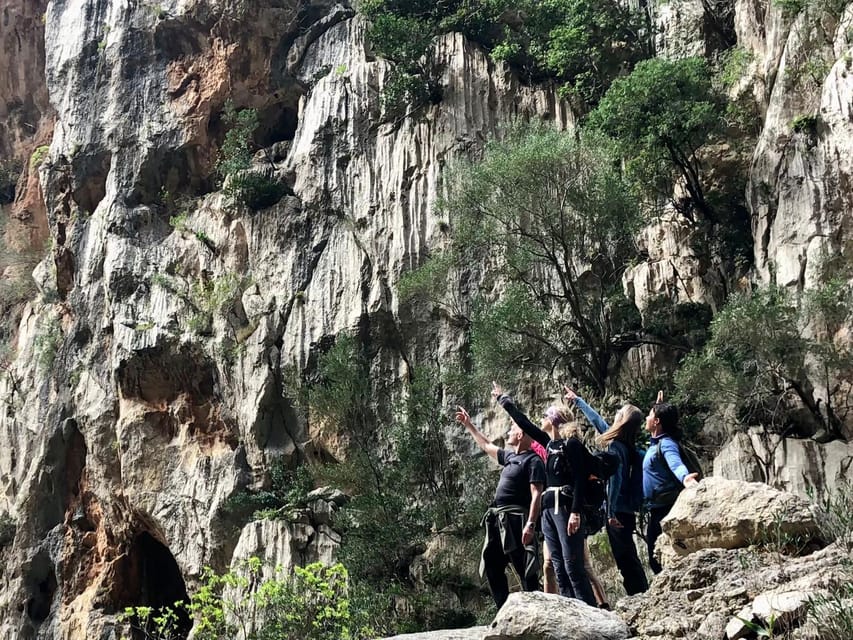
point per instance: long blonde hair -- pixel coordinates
(626, 427)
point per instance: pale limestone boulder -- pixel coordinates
(548, 616)
(279, 543)
(473, 633)
(801, 466)
(720, 513)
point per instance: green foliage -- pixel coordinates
(403, 479)
(179, 222)
(580, 44)
(38, 157)
(284, 498)
(46, 343)
(791, 7)
(261, 603)
(835, 511)
(760, 351)
(211, 297)
(733, 64)
(551, 214)
(242, 184)
(829, 614)
(804, 123)
(661, 116)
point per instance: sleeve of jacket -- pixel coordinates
(672, 455)
(592, 415)
(523, 421)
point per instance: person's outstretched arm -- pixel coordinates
(464, 419)
(518, 417)
(591, 414)
(672, 455)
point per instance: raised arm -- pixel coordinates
(591, 414)
(518, 417)
(672, 455)
(464, 419)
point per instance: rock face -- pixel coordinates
(726, 514)
(698, 595)
(800, 466)
(150, 382)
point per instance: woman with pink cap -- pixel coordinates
(567, 470)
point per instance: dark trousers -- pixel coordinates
(656, 514)
(625, 554)
(567, 555)
(496, 560)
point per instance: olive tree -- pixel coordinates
(546, 219)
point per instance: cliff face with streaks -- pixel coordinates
(149, 379)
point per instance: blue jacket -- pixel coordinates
(618, 487)
(657, 478)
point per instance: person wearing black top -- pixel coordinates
(567, 470)
(510, 522)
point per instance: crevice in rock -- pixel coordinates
(90, 179)
(174, 172)
(40, 585)
(160, 374)
(149, 576)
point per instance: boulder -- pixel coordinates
(473, 633)
(720, 513)
(547, 616)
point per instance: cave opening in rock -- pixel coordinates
(154, 580)
(276, 123)
(41, 586)
(90, 179)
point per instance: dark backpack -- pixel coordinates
(603, 464)
(635, 479)
(594, 514)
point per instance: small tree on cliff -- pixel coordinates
(549, 220)
(660, 117)
(770, 347)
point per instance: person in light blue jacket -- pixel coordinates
(664, 472)
(623, 499)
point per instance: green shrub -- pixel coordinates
(830, 614)
(660, 117)
(311, 604)
(38, 157)
(242, 185)
(551, 214)
(804, 124)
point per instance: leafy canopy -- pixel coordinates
(550, 220)
(660, 117)
(581, 44)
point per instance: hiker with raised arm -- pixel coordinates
(624, 488)
(665, 473)
(567, 470)
(510, 521)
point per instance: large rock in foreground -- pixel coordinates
(474, 633)
(547, 616)
(727, 514)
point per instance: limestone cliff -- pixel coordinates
(149, 382)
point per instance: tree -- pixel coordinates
(769, 347)
(660, 117)
(549, 220)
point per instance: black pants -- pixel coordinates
(656, 514)
(496, 561)
(625, 554)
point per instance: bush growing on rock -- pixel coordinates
(660, 117)
(581, 44)
(552, 215)
(261, 603)
(768, 351)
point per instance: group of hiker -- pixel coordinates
(550, 481)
